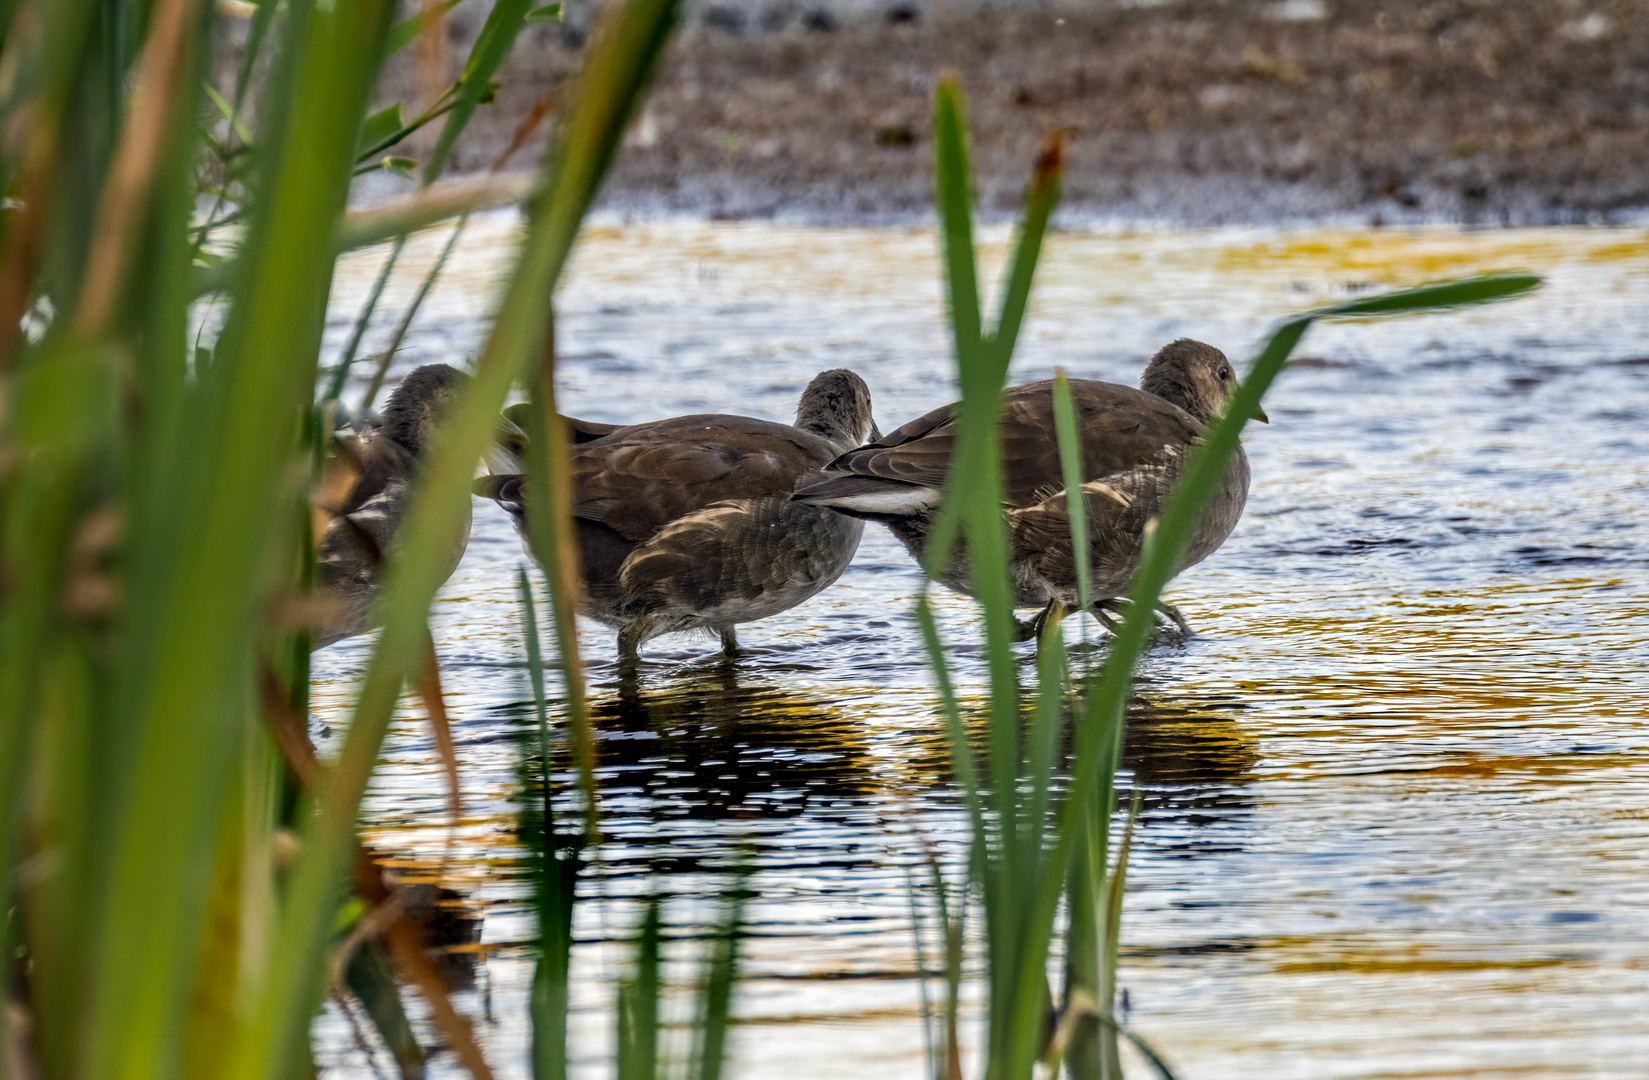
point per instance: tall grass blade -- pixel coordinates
(1008, 844)
(1099, 733)
(492, 45)
(555, 875)
(182, 684)
(721, 969)
(622, 60)
(387, 357)
(617, 67)
(340, 374)
(1070, 464)
(637, 1015)
(1040, 199)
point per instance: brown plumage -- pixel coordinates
(1134, 444)
(372, 474)
(687, 524)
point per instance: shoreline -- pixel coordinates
(1189, 113)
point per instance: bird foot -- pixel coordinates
(1168, 625)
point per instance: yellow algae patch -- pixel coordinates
(1388, 256)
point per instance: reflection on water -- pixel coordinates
(1395, 790)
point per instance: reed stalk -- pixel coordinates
(1029, 850)
(154, 476)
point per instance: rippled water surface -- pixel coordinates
(1396, 788)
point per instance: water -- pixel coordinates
(1396, 788)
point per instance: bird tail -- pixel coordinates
(869, 497)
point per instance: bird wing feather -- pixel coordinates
(640, 479)
(1121, 429)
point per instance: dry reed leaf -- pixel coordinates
(287, 728)
(429, 692)
(407, 951)
(160, 74)
(304, 611)
(331, 495)
(540, 109)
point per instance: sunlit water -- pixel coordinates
(1396, 788)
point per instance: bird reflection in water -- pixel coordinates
(731, 750)
(717, 745)
(1191, 761)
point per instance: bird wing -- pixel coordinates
(360, 469)
(640, 478)
(578, 431)
(1120, 429)
(915, 453)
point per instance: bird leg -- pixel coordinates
(1048, 622)
(1034, 630)
(1172, 614)
(630, 638)
(729, 642)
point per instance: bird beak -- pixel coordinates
(1259, 414)
(875, 432)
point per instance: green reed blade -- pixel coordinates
(554, 545)
(1076, 508)
(585, 145)
(404, 33)
(930, 1044)
(1042, 744)
(618, 65)
(1009, 869)
(193, 602)
(955, 933)
(535, 669)
(387, 357)
(1084, 961)
(637, 1011)
(1040, 199)
(1439, 296)
(1115, 883)
(721, 972)
(255, 34)
(38, 713)
(43, 163)
(1146, 1050)
(181, 688)
(371, 979)
(555, 871)
(1084, 964)
(953, 177)
(976, 469)
(954, 194)
(492, 45)
(1099, 735)
(340, 374)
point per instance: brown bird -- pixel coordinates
(687, 523)
(1134, 444)
(364, 496)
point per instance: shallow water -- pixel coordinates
(1396, 787)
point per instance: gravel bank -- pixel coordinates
(1190, 112)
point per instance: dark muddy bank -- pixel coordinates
(1197, 111)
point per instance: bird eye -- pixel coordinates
(1224, 373)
